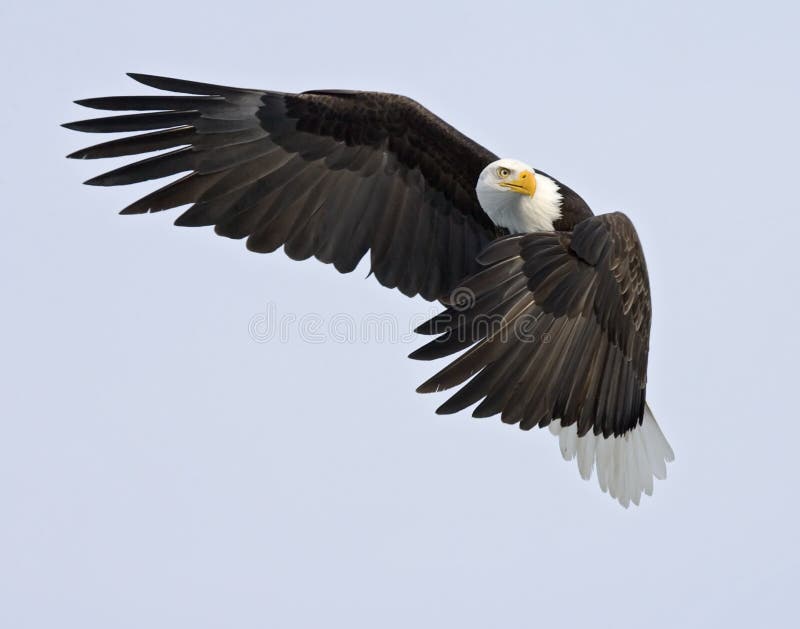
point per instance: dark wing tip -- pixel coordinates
(73, 126)
(438, 324)
(429, 386)
(141, 77)
(85, 153)
(449, 407)
(426, 328)
(426, 352)
(91, 103)
(132, 210)
(183, 86)
(168, 84)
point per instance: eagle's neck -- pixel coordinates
(522, 214)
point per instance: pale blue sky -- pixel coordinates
(160, 468)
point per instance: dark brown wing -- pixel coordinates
(558, 326)
(329, 173)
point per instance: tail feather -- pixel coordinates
(627, 464)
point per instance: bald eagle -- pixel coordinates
(548, 304)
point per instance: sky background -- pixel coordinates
(161, 466)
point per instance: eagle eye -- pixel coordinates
(503, 172)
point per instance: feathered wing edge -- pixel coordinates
(557, 339)
(329, 175)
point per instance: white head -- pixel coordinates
(518, 198)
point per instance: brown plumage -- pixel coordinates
(558, 326)
(329, 174)
(554, 325)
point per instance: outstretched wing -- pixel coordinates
(558, 325)
(328, 173)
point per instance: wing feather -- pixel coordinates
(329, 173)
(575, 356)
(582, 357)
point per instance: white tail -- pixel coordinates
(626, 464)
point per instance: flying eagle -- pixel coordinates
(549, 303)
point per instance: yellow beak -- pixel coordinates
(524, 184)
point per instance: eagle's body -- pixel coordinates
(556, 319)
